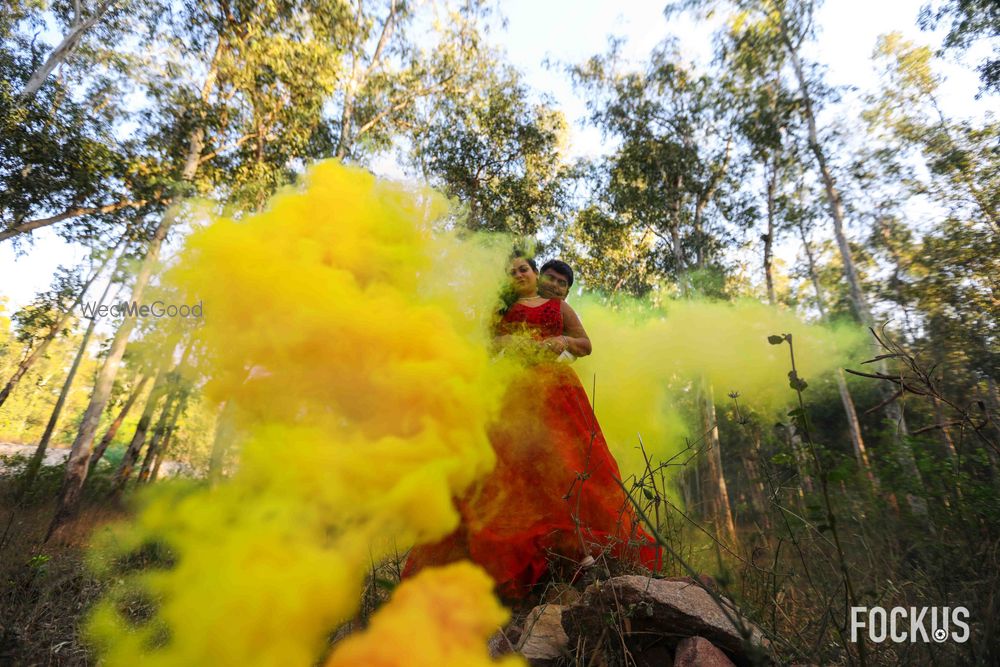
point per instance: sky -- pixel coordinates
(563, 32)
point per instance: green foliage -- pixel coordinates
(497, 153)
(668, 199)
(968, 21)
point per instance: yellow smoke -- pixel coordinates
(349, 331)
(349, 334)
(442, 617)
(646, 361)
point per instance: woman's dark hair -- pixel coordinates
(517, 254)
(560, 267)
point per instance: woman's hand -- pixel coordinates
(556, 344)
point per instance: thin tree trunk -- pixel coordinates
(860, 305)
(160, 387)
(159, 444)
(220, 442)
(60, 324)
(854, 428)
(836, 209)
(758, 495)
(171, 383)
(159, 461)
(768, 238)
(112, 431)
(39, 455)
(947, 443)
(715, 482)
(345, 140)
(78, 463)
(853, 423)
(158, 432)
(63, 50)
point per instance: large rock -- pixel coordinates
(662, 610)
(543, 637)
(699, 652)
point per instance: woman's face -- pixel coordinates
(524, 277)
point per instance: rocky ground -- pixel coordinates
(654, 622)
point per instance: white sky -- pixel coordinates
(569, 31)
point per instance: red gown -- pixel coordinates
(553, 495)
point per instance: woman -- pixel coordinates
(554, 492)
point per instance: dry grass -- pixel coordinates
(46, 589)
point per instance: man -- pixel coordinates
(554, 281)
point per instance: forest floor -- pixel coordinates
(45, 589)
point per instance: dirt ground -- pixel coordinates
(45, 590)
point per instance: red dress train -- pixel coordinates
(553, 494)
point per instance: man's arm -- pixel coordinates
(577, 342)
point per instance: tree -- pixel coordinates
(60, 156)
(969, 21)
(390, 73)
(673, 183)
(49, 315)
(39, 455)
(497, 153)
(945, 275)
(792, 22)
(77, 28)
(259, 81)
(674, 176)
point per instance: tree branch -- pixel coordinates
(62, 51)
(31, 225)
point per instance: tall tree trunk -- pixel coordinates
(112, 431)
(755, 482)
(853, 423)
(768, 238)
(60, 324)
(170, 388)
(154, 475)
(714, 484)
(76, 31)
(78, 463)
(858, 302)
(39, 455)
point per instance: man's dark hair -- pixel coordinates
(560, 267)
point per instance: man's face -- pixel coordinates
(552, 285)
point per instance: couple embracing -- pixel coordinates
(553, 504)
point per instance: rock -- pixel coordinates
(543, 637)
(559, 593)
(654, 656)
(499, 644)
(699, 652)
(662, 608)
